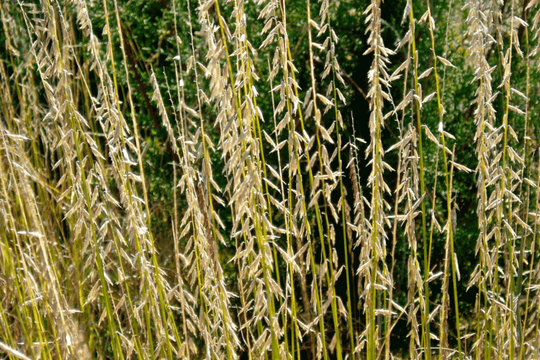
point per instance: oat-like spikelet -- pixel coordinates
(480, 18)
(498, 209)
(373, 250)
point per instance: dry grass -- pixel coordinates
(82, 275)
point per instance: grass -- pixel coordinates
(276, 247)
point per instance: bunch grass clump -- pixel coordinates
(276, 245)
